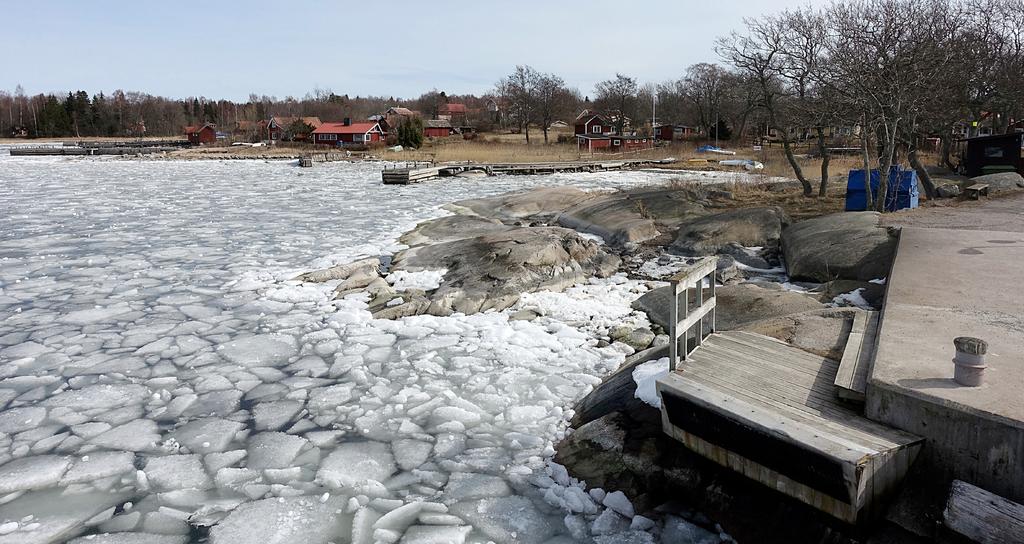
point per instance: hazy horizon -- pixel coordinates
(402, 50)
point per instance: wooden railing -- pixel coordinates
(690, 282)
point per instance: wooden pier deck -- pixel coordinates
(406, 175)
(772, 411)
(85, 151)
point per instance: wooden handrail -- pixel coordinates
(691, 277)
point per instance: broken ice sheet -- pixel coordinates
(161, 369)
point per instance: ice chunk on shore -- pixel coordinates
(284, 520)
(274, 450)
(646, 376)
(258, 350)
(435, 534)
(173, 472)
(32, 472)
(130, 538)
(354, 463)
(100, 464)
(16, 420)
(411, 453)
(207, 435)
(272, 416)
(137, 435)
(506, 520)
(467, 485)
(617, 500)
(426, 280)
(100, 396)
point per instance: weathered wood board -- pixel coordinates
(983, 516)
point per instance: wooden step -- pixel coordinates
(983, 516)
(852, 378)
(769, 411)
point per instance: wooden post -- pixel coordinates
(673, 316)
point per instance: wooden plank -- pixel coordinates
(696, 315)
(851, 379)
(785, 428)
(833, 421)
(775, 480)
(983, 516)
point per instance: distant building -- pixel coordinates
(348, 133)
(201, 134)
(596, 133)
(395, 116)
(456, 113)
(438, 128)
(669, 133)
(279, 128)
(593, 124)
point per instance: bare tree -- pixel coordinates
(703, 87)
(885, 58)
(518, 88)
(760, 54)
(618, 97)
(551, 99)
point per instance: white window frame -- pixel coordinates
(328, 137)
(596, 129)
(616, 142)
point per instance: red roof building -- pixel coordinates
(593, 124)
(452, 112)
(203, 134)
(348, 133)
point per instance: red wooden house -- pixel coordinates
(201, 134)
(595, 132)
(348, 133)
(593, 124)
(670, 133)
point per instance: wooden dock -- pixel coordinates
(772, 412)
(85, 151)
(405, 174)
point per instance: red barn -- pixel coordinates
(205, 134)
(437, 128)
(348, 133)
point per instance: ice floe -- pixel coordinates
(162, 377)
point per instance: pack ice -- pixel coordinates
(162, 380)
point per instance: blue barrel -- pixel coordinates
(902, 192)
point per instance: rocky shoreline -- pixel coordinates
(494, 251)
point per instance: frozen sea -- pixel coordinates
(163, 380)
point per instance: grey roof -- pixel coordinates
(437, 123)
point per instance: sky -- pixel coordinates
(395, 48)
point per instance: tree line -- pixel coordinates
(899, 71)
(133, 114)
(889, 72)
